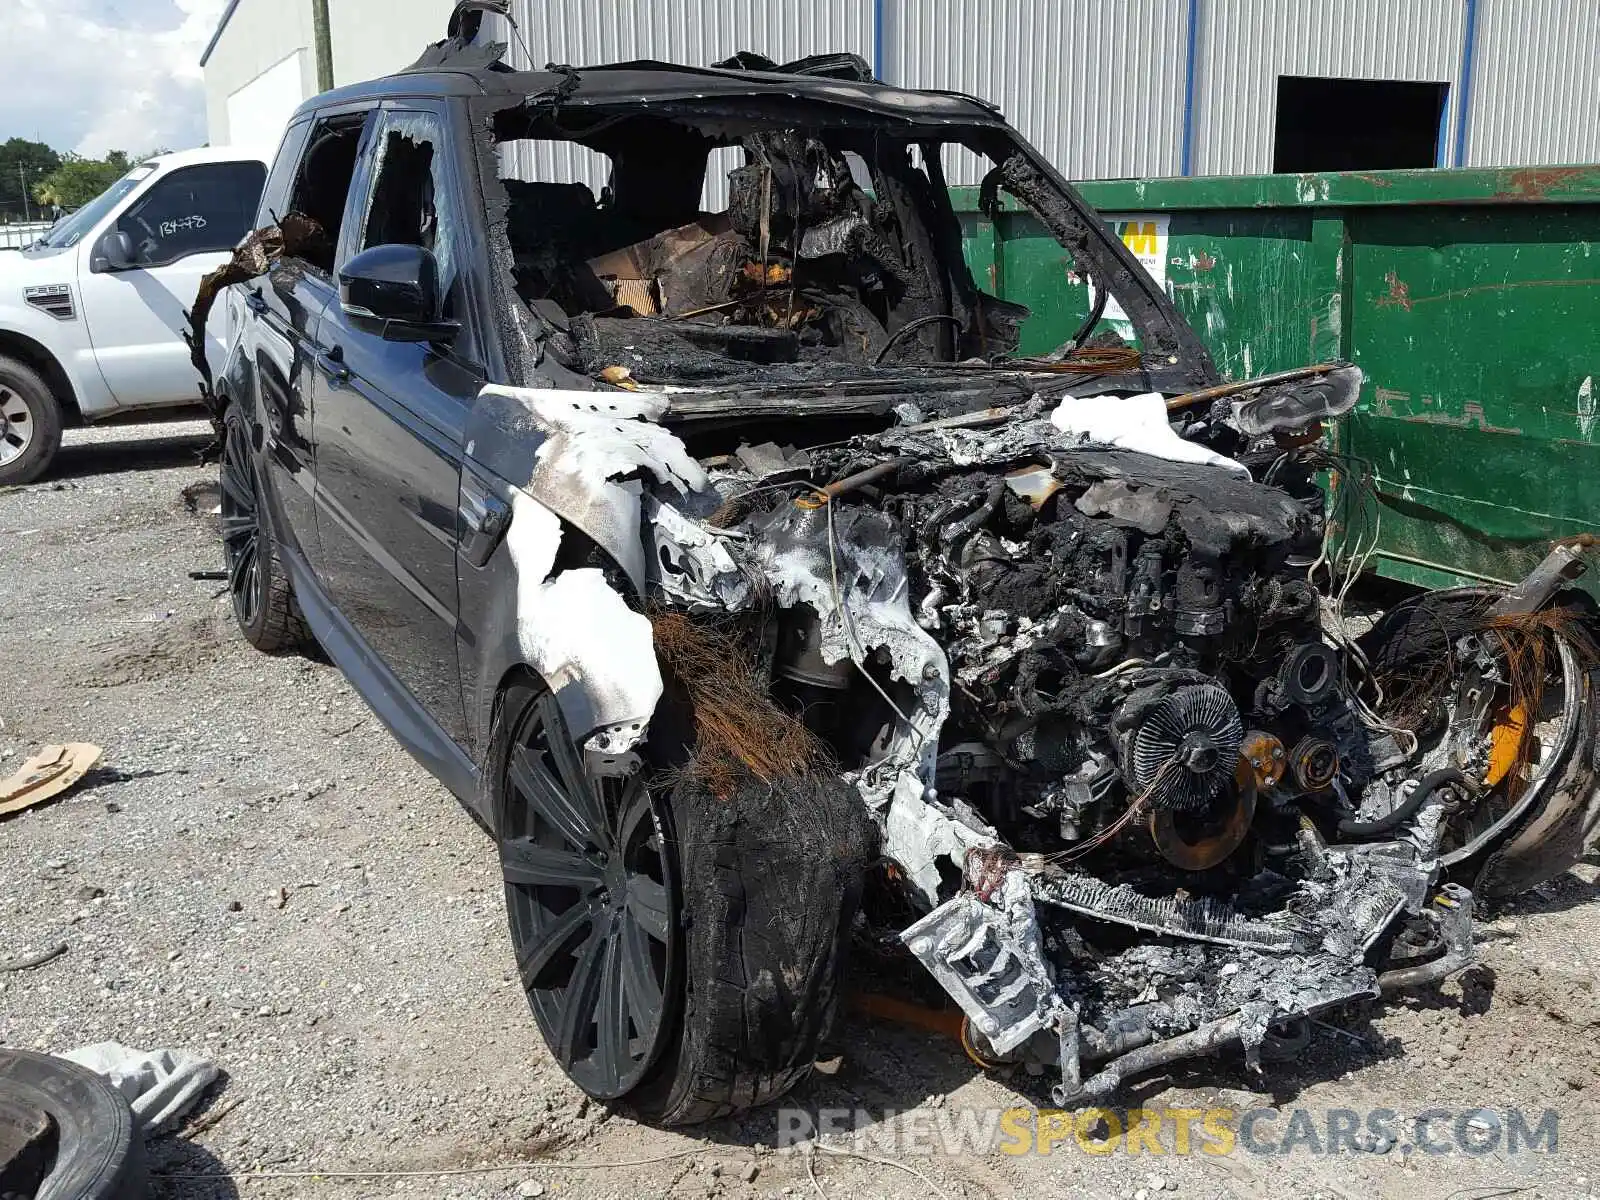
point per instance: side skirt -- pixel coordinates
(413, 727)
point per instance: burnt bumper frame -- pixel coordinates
(978, 955)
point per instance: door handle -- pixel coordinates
(483, 519)
(256, 302)
(331, 363)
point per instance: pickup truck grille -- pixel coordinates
(55, 299)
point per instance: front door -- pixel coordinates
(390, 418)
(185, 226)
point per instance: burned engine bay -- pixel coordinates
(1119, 754)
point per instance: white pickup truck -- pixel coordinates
(92, 315)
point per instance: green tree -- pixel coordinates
(79, 180)
(22, 161)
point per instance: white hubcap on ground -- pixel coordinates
(16, 426)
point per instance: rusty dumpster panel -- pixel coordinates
(1470, 298)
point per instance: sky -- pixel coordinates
(92, 76)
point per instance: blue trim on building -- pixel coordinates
(1469, 51)
(877, 38)
(1191, 40)
(1441, 143)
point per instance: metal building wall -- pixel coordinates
(1244, 45)
(1535, 83)
(1097, 85)
(259, 35)
(696, 32)
(372, 38)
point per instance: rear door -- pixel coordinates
(390, 421)
(184, 226)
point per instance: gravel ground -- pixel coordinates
(259, 873)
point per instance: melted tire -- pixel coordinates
(98, 1151)
(768, 881)
(1559, 831)
(1556, 832)
(772, 878)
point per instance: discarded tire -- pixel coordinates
(65, 1133)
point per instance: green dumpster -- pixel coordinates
(1470, 298)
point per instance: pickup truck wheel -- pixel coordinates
(263, 601)
(680, 948)
(30, 424)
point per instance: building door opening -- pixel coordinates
(1357, 124)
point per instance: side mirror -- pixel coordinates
(114, 252)
(393, 292)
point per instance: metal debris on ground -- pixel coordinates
(29, 962)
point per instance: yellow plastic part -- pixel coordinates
(1505, 745)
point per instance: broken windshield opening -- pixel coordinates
(672, 251)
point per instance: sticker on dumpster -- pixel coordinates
(1145, 235)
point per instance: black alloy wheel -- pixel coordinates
(241, 525)
(592, 896)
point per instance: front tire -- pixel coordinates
(1527, 841)
(263, 599)
(592, 899)
(722, 963)
(30, 424)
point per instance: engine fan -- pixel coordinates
(1185, 748)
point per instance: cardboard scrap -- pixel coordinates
(46, 775)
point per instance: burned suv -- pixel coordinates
(715, 541)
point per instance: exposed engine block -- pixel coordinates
(1114, 623)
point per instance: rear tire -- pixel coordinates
(263, 598)
(762, 887)
(30, 424)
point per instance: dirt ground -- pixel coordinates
(257, 872)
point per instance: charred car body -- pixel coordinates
(767, 607)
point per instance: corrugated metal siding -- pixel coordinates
(696, 32)
(1097, 85)
(1244, 45)
(1536, 83)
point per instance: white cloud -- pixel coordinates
(106, 75)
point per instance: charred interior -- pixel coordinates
(836, 256)
(826, 255)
